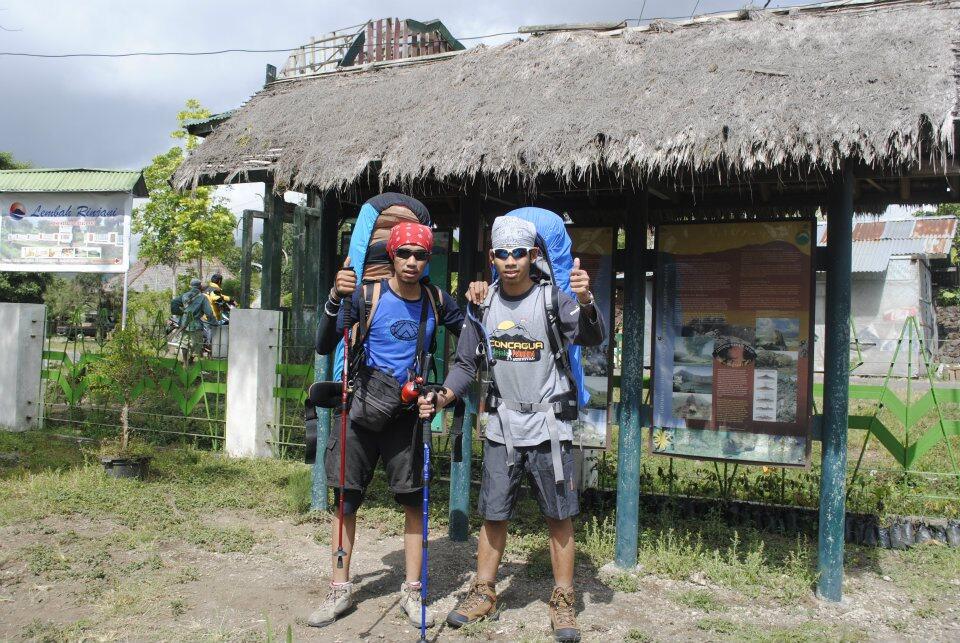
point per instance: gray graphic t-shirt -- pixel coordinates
(525, 370)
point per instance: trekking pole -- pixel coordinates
(341, 554)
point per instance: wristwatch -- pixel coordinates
(589, 303)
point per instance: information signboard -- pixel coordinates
(733, 331)
(65, 231)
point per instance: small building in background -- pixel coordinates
(895, 267)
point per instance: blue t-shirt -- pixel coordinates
(391, 342)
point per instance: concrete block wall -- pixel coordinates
(21, 358)
(251, 378)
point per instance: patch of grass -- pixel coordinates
(222, 539)
(624, 583)
(598, 540)
(299, 491)
(178, 607)
(42, 560)
(479, 629)
(717, 625)
(756, 565)
(703, 600)
(637, 636)
(49, 632)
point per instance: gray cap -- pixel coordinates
(513, 232)
(194, 283)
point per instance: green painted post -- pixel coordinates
(631, 386)
(272, 249)
(466, 272)
(836, 383)
(324, 254)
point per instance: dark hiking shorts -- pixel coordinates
(501, 484)
(398, 445)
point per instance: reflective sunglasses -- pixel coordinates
(516, 253)
(406, 253)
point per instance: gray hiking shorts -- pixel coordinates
(501, 483)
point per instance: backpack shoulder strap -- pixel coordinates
(551, 304)
(435, 297)
(368, 307)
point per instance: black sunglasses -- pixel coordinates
(516, 253)
(406, 253)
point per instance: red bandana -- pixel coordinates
(409, 234)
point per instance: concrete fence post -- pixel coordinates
(251, 378)
(21, 348)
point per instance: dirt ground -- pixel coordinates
(184, 591)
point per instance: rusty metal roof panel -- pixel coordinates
(941, 227)
(868, 231)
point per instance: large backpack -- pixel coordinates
(368, 247)
(553, 266)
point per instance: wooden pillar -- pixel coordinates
(631, 385)
(836, 383)
(322, 256)
(246, 267)
(272, 248)
(470, 220)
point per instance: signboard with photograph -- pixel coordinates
(594, 247)
(732, 356)
(65, 231)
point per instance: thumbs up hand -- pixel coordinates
(346, 281)
(580, 284)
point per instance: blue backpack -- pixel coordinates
(554, 265)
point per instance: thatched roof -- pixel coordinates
(774, 91)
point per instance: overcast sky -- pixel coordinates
(118, 113)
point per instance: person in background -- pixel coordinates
(193, 322)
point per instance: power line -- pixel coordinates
(207, 53)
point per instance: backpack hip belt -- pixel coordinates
(550, 409)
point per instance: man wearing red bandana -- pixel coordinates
(404, 304)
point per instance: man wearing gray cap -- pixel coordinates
(530, 406)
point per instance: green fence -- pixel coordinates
(186, 397)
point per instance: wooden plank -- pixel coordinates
(368, 57)
(378, 52)
(404, 45)
(388, 40)
(396, 38)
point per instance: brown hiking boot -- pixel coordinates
(479, 603)
(562, 616)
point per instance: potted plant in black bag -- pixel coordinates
(125, 362)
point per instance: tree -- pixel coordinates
(7, 162)
(178, 228)
(21, 287)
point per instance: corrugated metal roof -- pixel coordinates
(940, 227)
(873, 256)
(73, 180)
(898, 230)
(932, 236)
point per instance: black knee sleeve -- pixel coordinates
(352, 499)
(409, 499)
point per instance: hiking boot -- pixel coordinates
(339, 600)
(563, 620)
(479, 603)
(410, 604)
